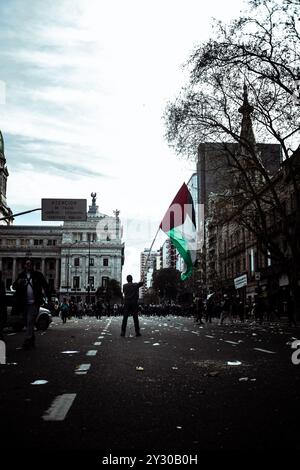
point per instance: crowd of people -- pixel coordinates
(221, 309)
(31, 289)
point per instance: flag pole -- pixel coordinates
(148, 256)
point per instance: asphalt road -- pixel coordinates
(179, 388)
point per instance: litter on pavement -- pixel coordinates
(39, 382)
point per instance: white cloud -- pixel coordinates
(87, 84)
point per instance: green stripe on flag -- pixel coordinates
(182, 247)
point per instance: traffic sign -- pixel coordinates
(64, 209)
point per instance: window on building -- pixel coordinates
(92, 261)
(76, 237)
(24, 242)
(105, 261)
(37, 242)
(92, 237)
(51, 284)
(91, 282)
(9, 264)
(51, 242)
(76, 262)
(104, 281)
(11, 242)
(76, 282)
(51, 265)
(269, 259)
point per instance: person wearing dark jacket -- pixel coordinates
(131, 297)
(29, 287)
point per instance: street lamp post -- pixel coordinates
(68, 271)
(68, 265)
(88, 284)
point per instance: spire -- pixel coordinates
(247, 134)
(1, 144)
(4, 209)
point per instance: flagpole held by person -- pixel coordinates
(179, 224)
(131, 298)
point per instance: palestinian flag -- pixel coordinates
(179, 224)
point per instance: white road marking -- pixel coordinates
(97, 343)
(264, 350)
(207, 336)
(69, 352)
(59, 407)
(231, 342)
(91, 352)
(82, 369)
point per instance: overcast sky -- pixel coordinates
(86, 84)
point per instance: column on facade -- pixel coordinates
(14, 269)
(63, 271)
(43, 266)
(85, 268)
(56, 282)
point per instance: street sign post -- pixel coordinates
(64, 209)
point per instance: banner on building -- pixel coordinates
(240, 281)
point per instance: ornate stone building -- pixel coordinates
(4, 209)
(76, 257)
(237, 239)
(92, 252)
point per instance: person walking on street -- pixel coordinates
(29, 287)
(64, 310)
(131, 297)
(3, 306)
(226, 309)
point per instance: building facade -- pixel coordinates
(76, 257)
(252, 236)
(149, 262)
(92, 253)
(236, 259)
(41, 243)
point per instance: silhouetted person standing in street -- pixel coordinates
(29, 287)
(131, 297)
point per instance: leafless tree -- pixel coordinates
(257, 54)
